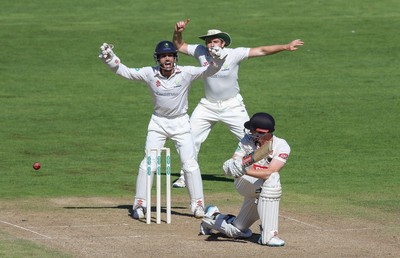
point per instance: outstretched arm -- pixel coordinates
(270, 50)
(177, 38)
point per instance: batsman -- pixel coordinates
(255, 165)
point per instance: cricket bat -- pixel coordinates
(257, 155)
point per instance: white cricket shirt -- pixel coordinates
(280, 150)
(170, 95)
(224, 84)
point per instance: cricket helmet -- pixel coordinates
(261, 122)
(165, 47)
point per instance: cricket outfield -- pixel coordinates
(335, 101)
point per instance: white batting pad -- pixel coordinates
(268, 207)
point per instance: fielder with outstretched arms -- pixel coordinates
(169, 86)
(222, 101)
(259, 184)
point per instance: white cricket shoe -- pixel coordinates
(204, 230)
(138, 212)
(179, 183)
(210, 211)
(199, 212)
(274, 242)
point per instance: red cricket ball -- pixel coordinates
(36, 166)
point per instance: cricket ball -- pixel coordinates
(36, 166)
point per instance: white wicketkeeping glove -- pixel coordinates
(106, 52)
(217, 52)
(233, 167)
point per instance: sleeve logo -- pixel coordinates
(283, 155)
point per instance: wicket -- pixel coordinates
(158, 176)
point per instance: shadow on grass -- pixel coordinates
(208, 177)
(217, 178)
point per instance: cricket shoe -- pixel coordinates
(179, 183)
(198, 208)
(274, 242)
(204, 230)
(138, 212)
(211, 211)
(199, 212)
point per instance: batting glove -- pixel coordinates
(233, 167)
(217, 52)
(106, 52)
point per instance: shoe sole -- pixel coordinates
(275, 245)
(178, 186)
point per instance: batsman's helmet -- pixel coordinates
(165, 47)
(261, 122)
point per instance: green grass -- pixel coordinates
(336, 100)
(16, 248)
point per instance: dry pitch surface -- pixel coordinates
(101, 227)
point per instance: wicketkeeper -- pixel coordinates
(169, 86)
(259, 184)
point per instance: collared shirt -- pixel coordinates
(170, 95)
(224, 84)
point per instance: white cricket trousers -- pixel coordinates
(232, 112)
(250, 188)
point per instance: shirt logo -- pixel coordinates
(158, 83)
(283, 155)
(177, 83)
(256, 167)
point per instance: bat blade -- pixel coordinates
(257, 155)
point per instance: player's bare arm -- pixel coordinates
(273, 49)
(274, 166)
(177, 38)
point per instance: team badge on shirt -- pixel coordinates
(256, 167)
(283, 155)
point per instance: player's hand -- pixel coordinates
(233, 167)
(106, 52)
(294, 45)
(181, 25)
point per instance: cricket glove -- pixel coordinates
(217, 52)
(106, 52)
(233, 167)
